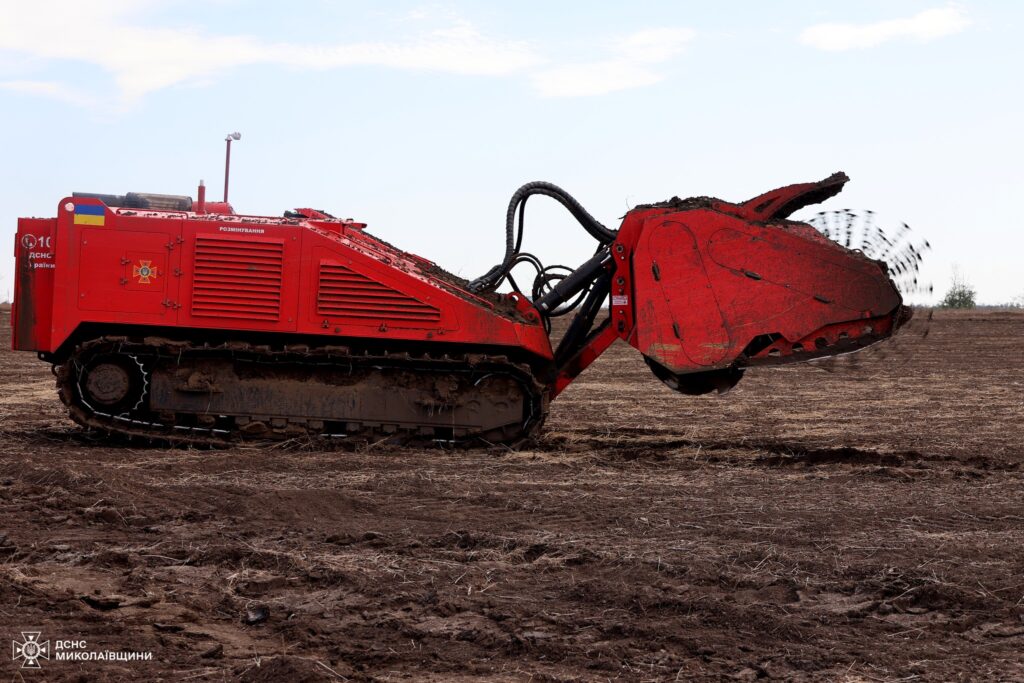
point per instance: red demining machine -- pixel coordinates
(179, 320)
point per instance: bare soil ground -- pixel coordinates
(862, 522)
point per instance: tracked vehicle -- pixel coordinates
(181, 320)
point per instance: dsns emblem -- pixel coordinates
(30, 650)
(145, 272)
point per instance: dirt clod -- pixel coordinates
(256, 614)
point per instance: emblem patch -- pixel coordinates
(145, 272)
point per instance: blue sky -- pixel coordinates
(422, 118)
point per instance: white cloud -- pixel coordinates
(143, 59)
(51, 89)
(922, 27)
(596, 78)
(629, 67)
(654, 45)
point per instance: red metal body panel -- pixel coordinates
(718, 282)
(696, 285)
(33, 284)
(227, 272)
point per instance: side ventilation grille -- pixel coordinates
(346, 293)
(237, 278)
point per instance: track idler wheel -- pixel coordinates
(107, 384)
(696, 383)
(113, 383)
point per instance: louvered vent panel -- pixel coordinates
(237, 278)
(344, 292)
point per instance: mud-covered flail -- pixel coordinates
(177, 391)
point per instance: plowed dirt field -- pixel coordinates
(862, 521)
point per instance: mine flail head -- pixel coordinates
(721, 287)
(896, 248)
(901, 253)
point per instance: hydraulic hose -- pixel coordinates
(598, 231)
(574, 283)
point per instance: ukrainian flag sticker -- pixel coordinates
(89, 214)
